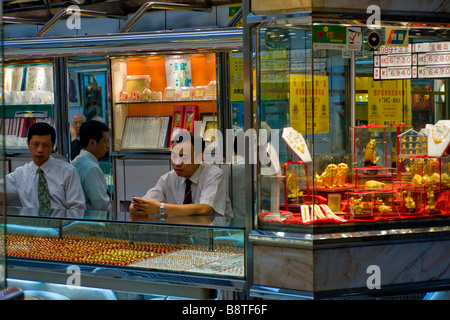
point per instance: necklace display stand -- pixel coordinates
(274, 174)
(296, 143)
(438, 138)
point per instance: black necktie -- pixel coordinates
(187, 192)
(43, 194)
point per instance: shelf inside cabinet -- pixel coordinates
(179, 88)
(28, 105)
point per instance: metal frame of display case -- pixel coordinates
(126, 280)
(216, 40)
(334, 262)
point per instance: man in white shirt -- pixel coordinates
(94, 140)
(207, 194)
(64, 188)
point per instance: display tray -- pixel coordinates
(220, 260)
(296, 224)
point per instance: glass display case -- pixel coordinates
(194, 254)
(29, 97)
(355, 153)
(336, 158)
(2, 206)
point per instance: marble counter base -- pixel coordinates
(346, 268)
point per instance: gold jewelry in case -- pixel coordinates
(293, 189)
(357, 205)
(373, 184)
(430, 195)
(439, 139)
(333, 176)
(409, 202)
(384, 208)
(296, 142)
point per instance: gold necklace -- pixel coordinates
(439, 139)
(300, 147)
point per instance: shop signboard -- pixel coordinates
(337, 37)
(236, 68)
(397, 37)
(389, 102)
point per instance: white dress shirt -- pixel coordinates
(208, 187)
(63, 184)
(93, 181)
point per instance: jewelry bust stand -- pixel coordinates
(297, 144)
(438, 138)
(275, 214)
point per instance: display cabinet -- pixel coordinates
(192, 258)
(155, 95)
(29, 97)
(356, 198)
(115, 62)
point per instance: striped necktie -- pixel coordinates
(187, 192)
(43, 195)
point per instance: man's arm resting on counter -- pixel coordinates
(148, 206)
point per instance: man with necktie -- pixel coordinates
(192, 188)
(45, 182)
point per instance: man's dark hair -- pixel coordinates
(92, 129)
(196, 140)
(42, 129)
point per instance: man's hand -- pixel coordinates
(144, 206)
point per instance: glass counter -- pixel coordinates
(195, 253)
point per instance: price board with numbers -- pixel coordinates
(418, 61)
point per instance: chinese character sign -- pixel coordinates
(306, 97)
(389, 101)
(236, 76)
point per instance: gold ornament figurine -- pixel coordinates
(357, 206)
(384, 209)
(292, 188)
(370, 152)
(430, 195)
(409, 202)
(333, 176)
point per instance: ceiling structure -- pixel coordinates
(40, 11)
